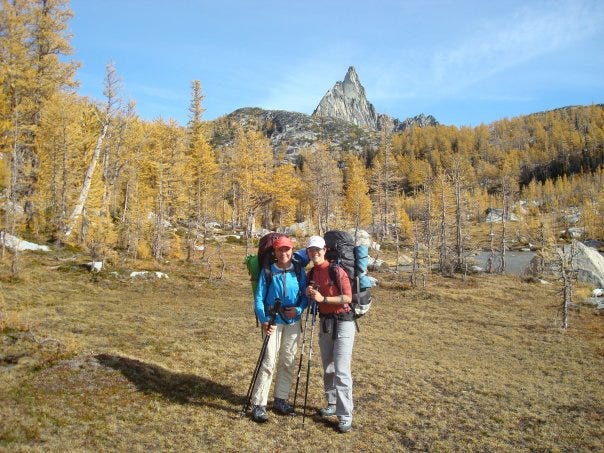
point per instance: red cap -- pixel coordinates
(283, 241)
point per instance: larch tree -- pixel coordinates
(460, 172)
(403, 227)
(33, 40)
(383, 184)
(51, 41)
(136, 187)
(204, 168)
(106, 113)
(173, 178)
(63, 133)
(445, 204)
(287, 194)
(18, 81)
(357, 203)
(508, 184)
(323, 181)
(252, 177)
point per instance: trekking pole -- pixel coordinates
(271, 322)
(310, 349)
(314, 285)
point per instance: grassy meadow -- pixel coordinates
(103, 362)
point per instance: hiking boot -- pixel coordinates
(328, 411)
(344, 424)
(259, 414)
(283, 407)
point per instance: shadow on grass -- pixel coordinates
(179, 388)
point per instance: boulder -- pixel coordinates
(495, 215)
(589, 265)
(586, 261)
(19, 244)
(95, 266)
(363, 238)
(405, 260)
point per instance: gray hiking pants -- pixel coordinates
(336, 355)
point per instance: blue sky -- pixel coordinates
(465, 62)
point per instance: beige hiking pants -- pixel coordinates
(281, 350)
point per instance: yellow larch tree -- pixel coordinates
(169, 176)
(64, 139)
(287, 199)
(252, 163)
(384, 182)
(137, 192)
(323, 186)
(204, 168)
(357, 204)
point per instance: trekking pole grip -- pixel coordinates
(274, 312)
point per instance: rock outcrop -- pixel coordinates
(586, 261)
(290, 132)
(347, 101)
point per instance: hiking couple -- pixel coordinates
(295, 290)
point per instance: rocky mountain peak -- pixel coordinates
(347, 101)
(351, 82)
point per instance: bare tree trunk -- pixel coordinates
(503, 246)
(222, 262)
(429, 238)
(248, 232)
(491, 258)
(11, 211)
(443, 257)
(415, 262)
(398, 246)
(459, 211)
(567, 276)
(77, 210)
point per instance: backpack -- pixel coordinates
(265, 257)
(342, 251)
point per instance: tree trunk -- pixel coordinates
(77, 210)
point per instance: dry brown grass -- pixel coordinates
(98, 363)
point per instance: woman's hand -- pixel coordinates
(290, 312)
(314, 294)
(268, 329)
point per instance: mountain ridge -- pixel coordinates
(344, 119)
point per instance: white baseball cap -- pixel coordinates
(316, 241)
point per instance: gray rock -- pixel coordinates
(589, 265)
(586, 261)
(347, 101)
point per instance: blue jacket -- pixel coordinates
(267, 293)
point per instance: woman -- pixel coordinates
(282, 283)
(336, 335)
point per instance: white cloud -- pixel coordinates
(527, 34)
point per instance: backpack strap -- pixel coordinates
(298, 269)
(334, 275)
(268, 275)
